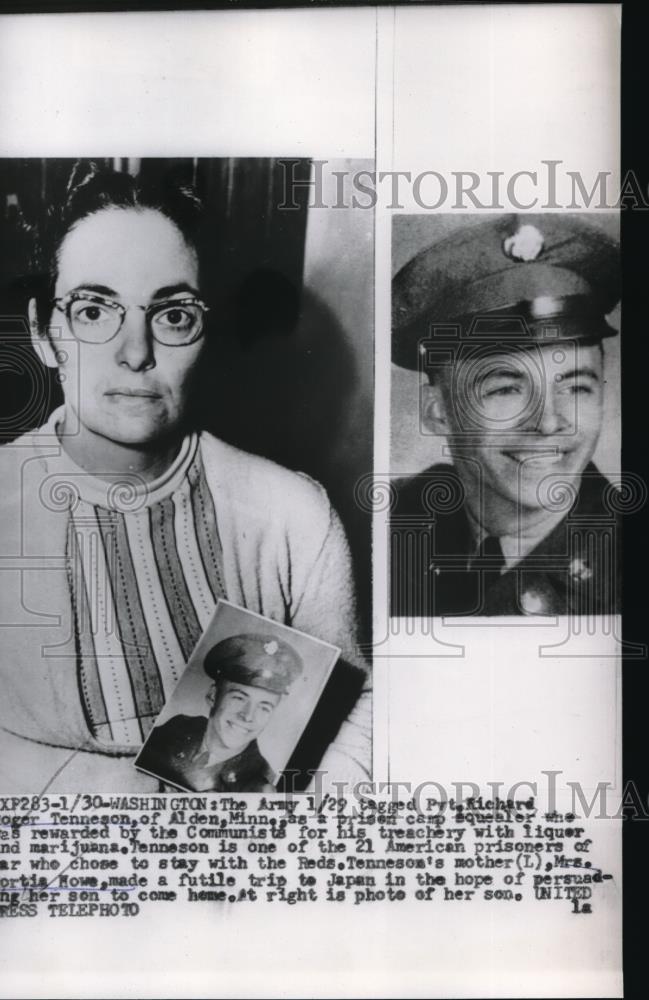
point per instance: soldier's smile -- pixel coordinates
(235, 727)
(539, 456)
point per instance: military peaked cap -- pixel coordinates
(254, 660)
(516, 279)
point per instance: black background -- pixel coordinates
(635, 243)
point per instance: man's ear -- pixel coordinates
(433, 408)
(40, 341)
(210, 696)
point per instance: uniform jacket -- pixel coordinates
(285, 556)
(173, 753)
(573, 570)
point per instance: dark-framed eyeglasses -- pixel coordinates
(96, 319)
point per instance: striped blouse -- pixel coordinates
(145, 571)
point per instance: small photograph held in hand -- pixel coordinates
(241, 706)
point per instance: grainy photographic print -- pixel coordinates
(509, 326)
(159, 332)
(310, 499)
(240, 708)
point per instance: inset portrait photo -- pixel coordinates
(505, 452)
(241, 706)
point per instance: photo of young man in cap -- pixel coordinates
(250, 674)
(507, 319)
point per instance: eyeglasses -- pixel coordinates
(95, 319)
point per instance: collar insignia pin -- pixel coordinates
(579, 570)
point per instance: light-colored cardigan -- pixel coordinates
(285, 556)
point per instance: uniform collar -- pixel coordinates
(517, 545)
(247, 764)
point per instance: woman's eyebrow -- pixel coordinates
(89, 286)
(181, 286)
(160, 293)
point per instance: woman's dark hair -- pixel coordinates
(90, 189)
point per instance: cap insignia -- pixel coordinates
(526, 244)
(271, 647)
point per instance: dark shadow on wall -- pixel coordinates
(279, 381)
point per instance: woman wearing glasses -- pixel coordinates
(127, 523)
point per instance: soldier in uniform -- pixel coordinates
(507, 319)
(250, 674)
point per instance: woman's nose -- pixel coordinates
(134, 342)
